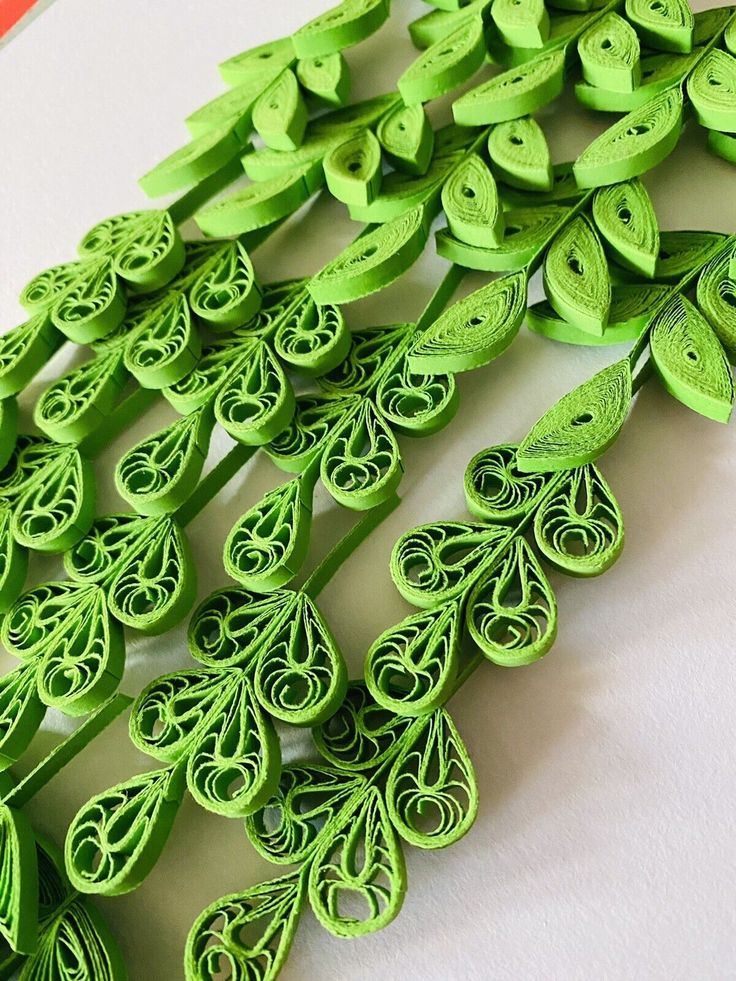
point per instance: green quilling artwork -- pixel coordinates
(191, 321)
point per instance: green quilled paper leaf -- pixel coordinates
(582, 425)
(445, 65)
(373, 261)
(711, 88)
(690, 360)
(407, 139)
(633, 145)
(471, 205)
(515, 93)
(522, 24)
(716, 298)
(624, 216)
(341, 27)
(325, 77)
(576, 279)
(667, 25)
(609, 54)
(279, 114)
(474, 330)
(353, 169)
(520, 155)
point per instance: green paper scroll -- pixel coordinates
(711, 87)
(326, 78)
(407, 139)
(716, 298)
(690, 360)
(576, 279)
(92, 305)
(520, 155)
(226, 294)
(268, 544)
(634, 144)
(260, 204)
(471, 205)
(624, 216)
(341, 27)
(582, 425)
(166, 345)
(353, 169)
(609, 54)
(515, 93)
(473, 331)
(445, 65)
(521, 23)
(373, 261)
(280, 114)
(666, 25)
(527, 232)
(256, 65)
(257, 401)
(192, 163)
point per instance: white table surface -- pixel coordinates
(604, 844)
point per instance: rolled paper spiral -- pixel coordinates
(268, 544)
(711, 88)
(496, 490)
(353, 169)
(579, 527)
(313, 339)
(257, 400)
(634, 144)
(341, 27)
(412, 667)
(690, 360)
(326, 78)
(667, 27)
(632, 307)
(280, 114)
(193, 162)
(521, 25)
(445, 64)
(92, 306)
(471, 205)
(157, 475)
(407, 139)
(166, 345)
(473, 331)
(716, 299)
(435, 562)
(609, 54)
(373, 261)
(576, 279)
(582, 425)
(512, 611)
(624, 216)
(520, 155)
(226, 294)
(514, 93)
(527, 230)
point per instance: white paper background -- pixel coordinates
(604, 845)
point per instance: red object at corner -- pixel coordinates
(11, 12)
